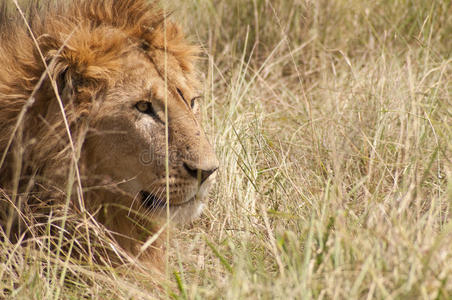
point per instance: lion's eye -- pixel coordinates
(194, 101)
(145, 107)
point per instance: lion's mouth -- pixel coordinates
(151, 201)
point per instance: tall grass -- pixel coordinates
(333, 124)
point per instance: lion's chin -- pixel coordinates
(180, 213)
(188, 212)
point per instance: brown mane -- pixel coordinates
(80, 44)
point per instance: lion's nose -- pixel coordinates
(198, 172)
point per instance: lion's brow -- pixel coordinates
(151, 94)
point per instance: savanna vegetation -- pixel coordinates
(333, 124)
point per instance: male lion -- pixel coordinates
(83, 119)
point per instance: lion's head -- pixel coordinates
(123, 75)
(126, 140)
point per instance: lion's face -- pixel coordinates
(127, 141)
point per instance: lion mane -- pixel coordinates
(61, 59)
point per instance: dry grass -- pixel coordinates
(333, 123)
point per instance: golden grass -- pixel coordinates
(333, 124)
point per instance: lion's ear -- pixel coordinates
(73, 86)
(59, 67)
(65, 85)
(91, 59)
(72, 92)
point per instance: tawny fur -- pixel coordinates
(83, 49)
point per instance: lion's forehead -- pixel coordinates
(143, 79)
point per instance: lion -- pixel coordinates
(100, 114)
